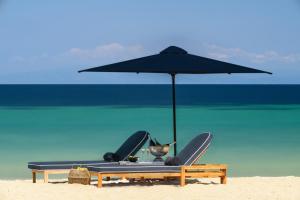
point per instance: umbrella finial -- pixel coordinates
(173, 50)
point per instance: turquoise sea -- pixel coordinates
(256, 128)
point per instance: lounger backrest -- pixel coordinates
(132, 145)
(194, 149)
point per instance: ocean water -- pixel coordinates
(256, 128)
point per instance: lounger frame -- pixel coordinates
(47, 172)
(37, 170)
(193, 171)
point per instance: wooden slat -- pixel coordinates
(57, 171)
(204, 174)
(206, 166)
(99, 180)
(182, 176)
(93, 173)
(138, 175)
(45, 176)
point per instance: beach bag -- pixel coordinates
(79, 175)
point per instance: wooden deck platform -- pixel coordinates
(194, 171)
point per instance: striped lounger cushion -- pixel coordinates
(66, 164)
(130, 147)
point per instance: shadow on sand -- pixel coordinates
(151, 182)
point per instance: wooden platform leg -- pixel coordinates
(99, 180)
(33, 176)
(46, 175)
(223, 178)
(182, 177)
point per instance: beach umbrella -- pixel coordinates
(174, 60)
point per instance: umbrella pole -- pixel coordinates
(174, 113)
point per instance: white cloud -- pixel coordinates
(112, 50)
(224, 53)
(62, 67)
(75, 56)
(116, 51)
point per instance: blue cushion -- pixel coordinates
(132, 145)
(194, 149)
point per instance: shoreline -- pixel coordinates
(260, 188)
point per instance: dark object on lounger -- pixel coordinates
(132, 158)
(111, 157)
(172, 161)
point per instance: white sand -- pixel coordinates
(260, 188)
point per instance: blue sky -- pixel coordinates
(48, 41)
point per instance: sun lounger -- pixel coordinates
(129, 148)
(184, 169)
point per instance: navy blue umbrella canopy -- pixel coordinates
(174, 60)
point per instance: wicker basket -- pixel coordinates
(80, 175)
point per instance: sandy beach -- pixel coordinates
(260, 188)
